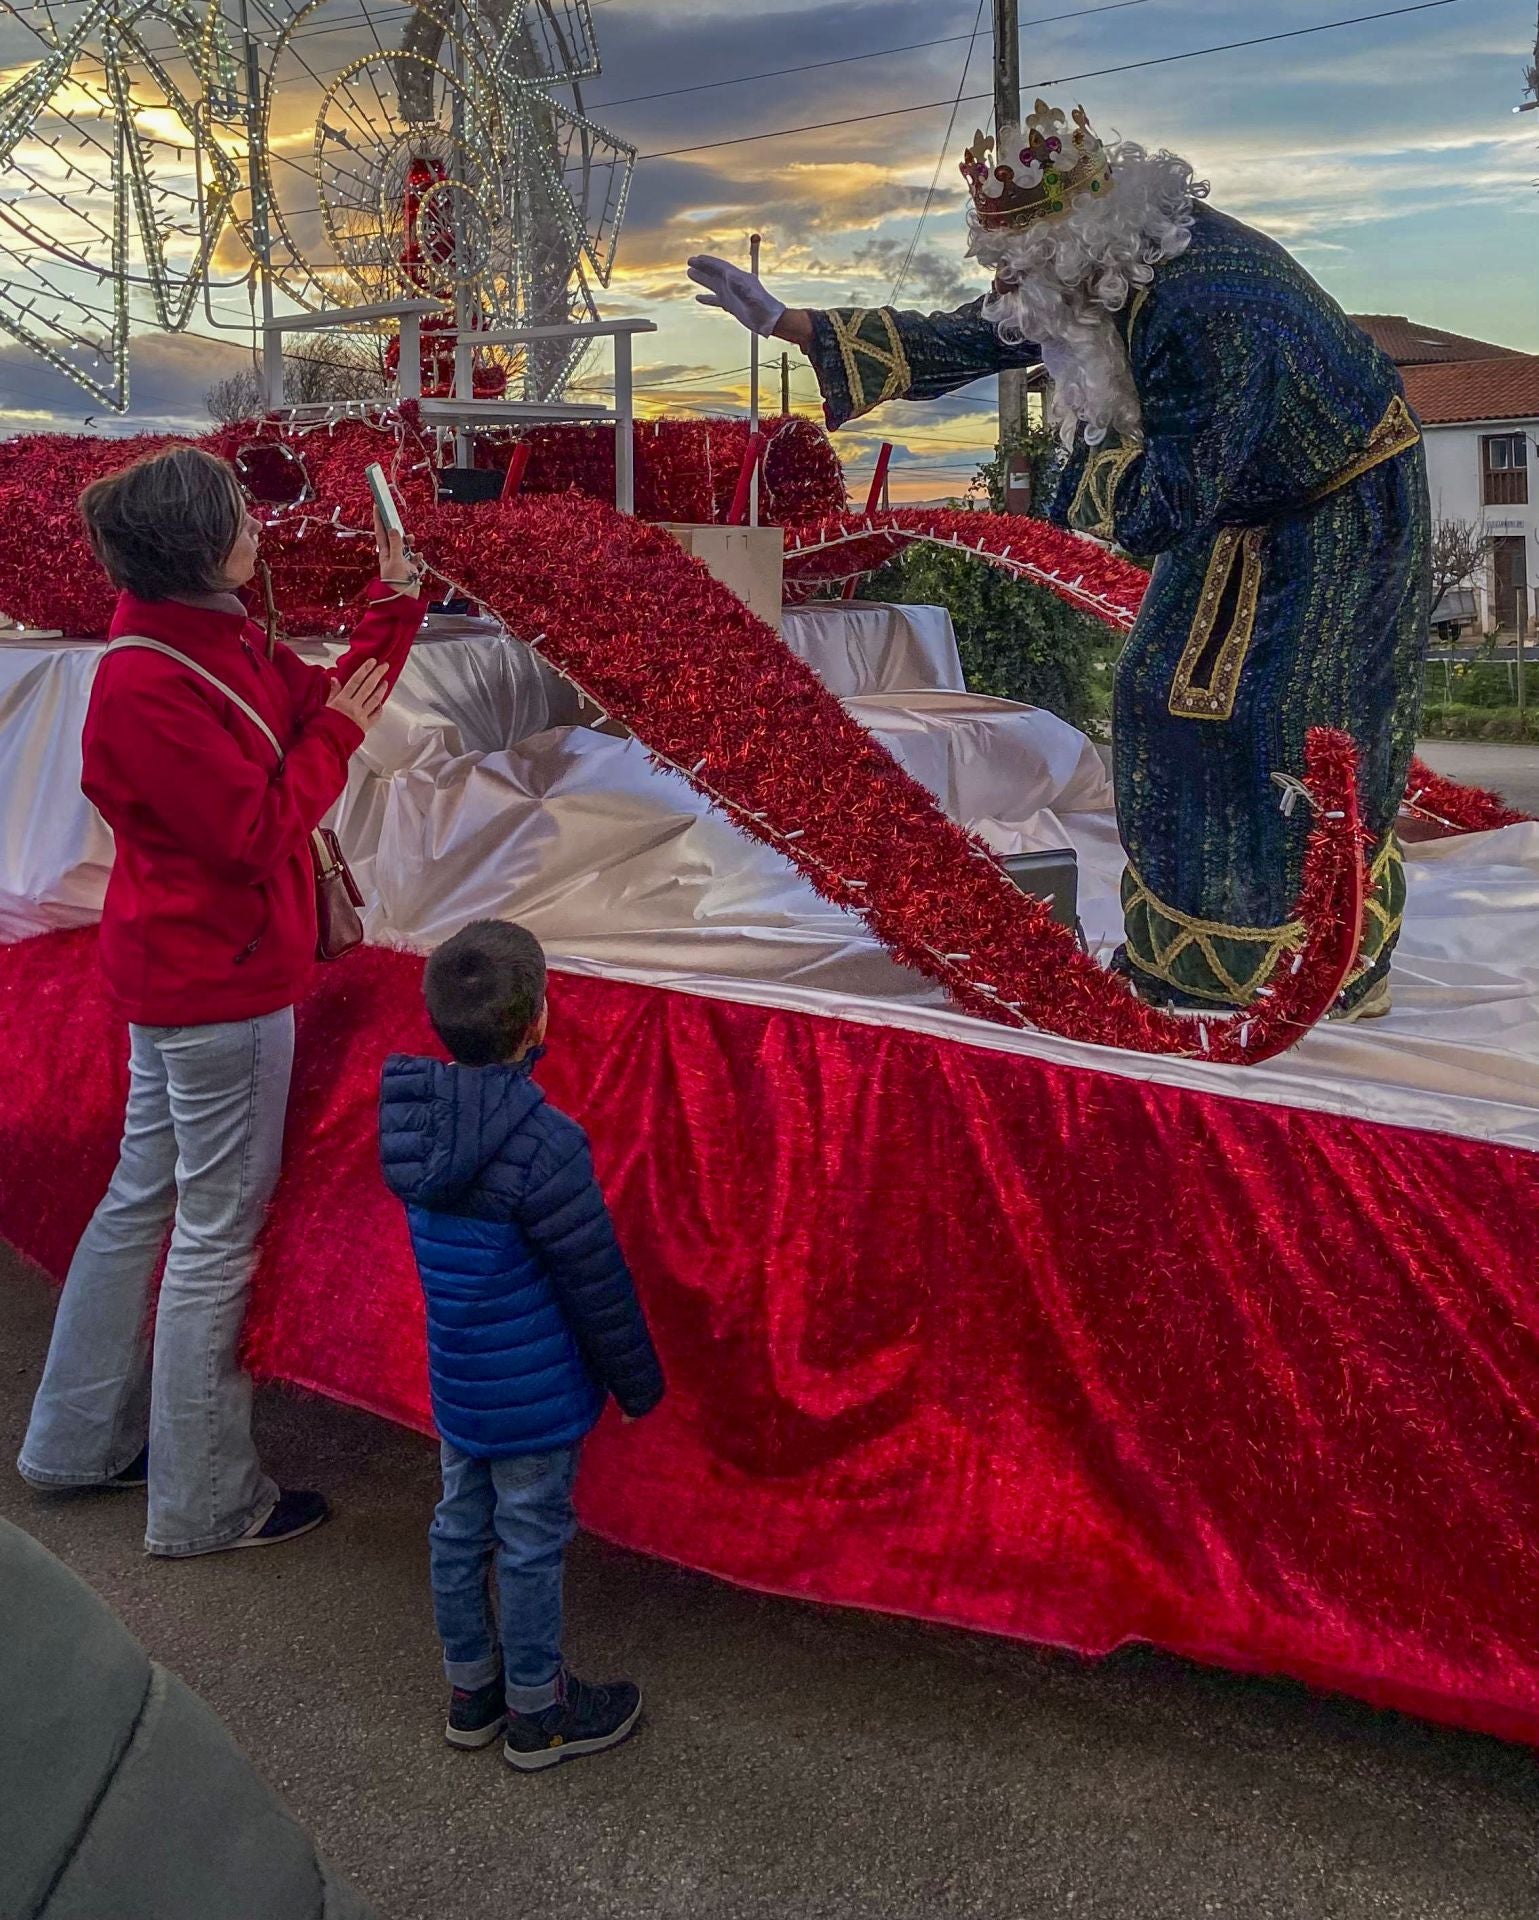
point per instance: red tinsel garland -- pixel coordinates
(686, 469)
(48, 576)
(1448, 803)
(644, 629)
(829, 552)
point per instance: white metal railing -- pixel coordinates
(462, 410)
(408, 314)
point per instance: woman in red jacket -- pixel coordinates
(207, 939)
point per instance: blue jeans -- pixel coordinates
(520, 1512)
(201, 1146)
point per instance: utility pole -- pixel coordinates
(1007, 66)
(1013, 381)
(785, 383)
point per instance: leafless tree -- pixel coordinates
(1460, 552)
(328, 369)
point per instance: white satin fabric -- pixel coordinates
(55, 851)
(476, 796)
(869, 646)
(1009, 772)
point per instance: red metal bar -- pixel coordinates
(753, 453)
(516, 466)
(879, 478)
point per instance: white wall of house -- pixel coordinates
(1455, 481)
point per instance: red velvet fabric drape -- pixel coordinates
(950, 1332)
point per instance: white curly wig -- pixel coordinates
(1069, 276)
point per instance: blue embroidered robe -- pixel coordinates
(1281, 491)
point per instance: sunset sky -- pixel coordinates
(1385, 154)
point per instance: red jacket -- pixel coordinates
(210, 911)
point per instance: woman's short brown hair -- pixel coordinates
(166, 524)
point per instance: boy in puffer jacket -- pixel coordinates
(532, 1321)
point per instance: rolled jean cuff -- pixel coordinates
(472, 1674)
(534, 1699)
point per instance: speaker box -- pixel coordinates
(1052, 876)
(469, 486)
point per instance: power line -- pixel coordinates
(1062, 80)
(940, 160)
(846, 59)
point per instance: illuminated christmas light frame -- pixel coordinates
(130, 146)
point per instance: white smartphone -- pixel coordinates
(385, 500)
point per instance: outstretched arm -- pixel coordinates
(383, 632)
(866, 356)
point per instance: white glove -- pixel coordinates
(736, 292)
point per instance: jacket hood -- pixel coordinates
(459, 1119)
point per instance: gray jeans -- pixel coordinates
(201, 1144)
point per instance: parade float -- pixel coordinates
(987, 1293)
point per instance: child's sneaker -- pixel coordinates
(584, 1719)
(476, 1715)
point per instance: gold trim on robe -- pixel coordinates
(1171, 934)
(1213, 697)
(1093, 509)
(1394, 434)
(851, 340)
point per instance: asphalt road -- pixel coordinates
(798, 1763)
(1512, 770)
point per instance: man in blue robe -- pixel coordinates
(1223, 417)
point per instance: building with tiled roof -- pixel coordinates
(1453, 392)
(1411, 344)
(1480, 418)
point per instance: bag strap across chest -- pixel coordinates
(136, 641)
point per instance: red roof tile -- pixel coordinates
(1505, 389)
(1410, 344)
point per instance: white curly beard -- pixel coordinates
(1073, 274)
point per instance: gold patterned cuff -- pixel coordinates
(1094, 507)
(876, 368)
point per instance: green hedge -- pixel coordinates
(1017, 641)
(1478, 723)
(1477, 683)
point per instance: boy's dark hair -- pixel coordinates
(484, 990)
(166, 524)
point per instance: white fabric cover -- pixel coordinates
(621, 869)
(868, 646)
(55, 851)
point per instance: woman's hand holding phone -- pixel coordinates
(395, 568)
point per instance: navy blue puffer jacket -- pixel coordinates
(532, 1316)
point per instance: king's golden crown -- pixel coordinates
(1035, 173)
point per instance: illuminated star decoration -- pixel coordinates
(112, 183)
(436, 119)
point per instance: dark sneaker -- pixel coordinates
(292, 1515)
(584, 1719)
(135, 1474)
(476, 1715)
